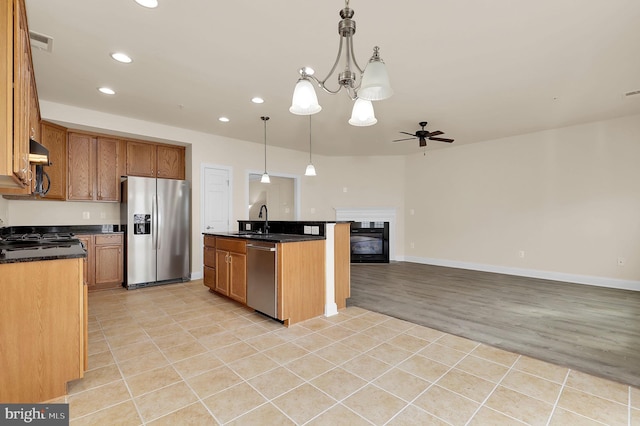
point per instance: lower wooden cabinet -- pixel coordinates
(225, 267)
(104, 264)
(210, 262)
(42, 329)
(231, 268)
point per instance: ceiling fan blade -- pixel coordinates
(410, 134)
(436, 133)
(400, 140)
(441, 140)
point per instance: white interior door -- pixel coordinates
(216, 190)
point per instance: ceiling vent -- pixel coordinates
(41, 41)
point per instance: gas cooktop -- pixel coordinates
(36, 246)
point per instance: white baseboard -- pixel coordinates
(531, 273)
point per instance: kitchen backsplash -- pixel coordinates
(43, 213)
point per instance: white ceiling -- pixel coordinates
(475, 69)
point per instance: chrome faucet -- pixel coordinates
(266, 218)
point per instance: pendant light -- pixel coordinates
(265, 175)
(311, 170)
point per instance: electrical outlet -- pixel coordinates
(412, 245)
(521, 254)
(86, 215)
(412, 212)
(621, 261)
(345, 189)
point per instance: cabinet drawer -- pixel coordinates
(210, 277)
(236, 246)
(209, 241)
(103, 239)
(210, 257)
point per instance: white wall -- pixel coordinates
(568, 198)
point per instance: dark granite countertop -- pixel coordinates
(44, 253)
(74, 229)
(270, 237)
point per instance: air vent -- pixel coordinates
(635, 92)
(41, 41)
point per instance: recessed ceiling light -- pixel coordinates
(148, 3)
(223, 119)
(121, 57)
(106, 91)
(257, 100)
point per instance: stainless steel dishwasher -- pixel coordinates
(262, 277)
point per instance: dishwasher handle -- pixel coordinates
(253, 247)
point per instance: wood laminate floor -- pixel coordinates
(591, 329)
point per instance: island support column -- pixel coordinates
(330, 306)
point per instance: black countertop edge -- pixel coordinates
(75, 229)
(40, 258)
(306, 222)
(271, 237)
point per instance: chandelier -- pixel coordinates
(373, 85)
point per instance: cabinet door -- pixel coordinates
(141, 159)
(81, 163)
(238, 277)
(222, 272)
(22, 70)
(107, 176)
(54, 138)
(108, 265)
(170, 162)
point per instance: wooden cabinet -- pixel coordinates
(42, 329)
(19, 108)
(231, 268)
(210, 262)
(155, 160)
(104, 264)
(94, 168)
(54, 138)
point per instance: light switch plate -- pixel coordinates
(307, 230)
(315, 230)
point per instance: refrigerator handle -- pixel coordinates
(154, 219)
(158, 218)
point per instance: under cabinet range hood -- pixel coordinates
(38, 154)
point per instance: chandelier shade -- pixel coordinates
(375, 81)
(362, 113)
(305, 100)
(373, 85)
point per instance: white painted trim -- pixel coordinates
(296, 190)
(372, 214)
(330, 305)
(229, 170)
(532, 273)
(197, 275)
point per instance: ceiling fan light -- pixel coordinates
(305, 101)
(311, 170)
(362, 113)
(265, 178)
(375, 81)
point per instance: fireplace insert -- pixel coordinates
(370, 242)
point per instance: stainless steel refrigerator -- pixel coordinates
(155, 214)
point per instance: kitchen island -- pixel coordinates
(311, 272)
(43, 321)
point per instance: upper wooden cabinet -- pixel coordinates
(54, 138)
(19, 108)
(155, 160)
(94, 168)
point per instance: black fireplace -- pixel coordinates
(370, 242)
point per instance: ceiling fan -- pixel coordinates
(423, 135)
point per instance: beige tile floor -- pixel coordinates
(179, 355)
